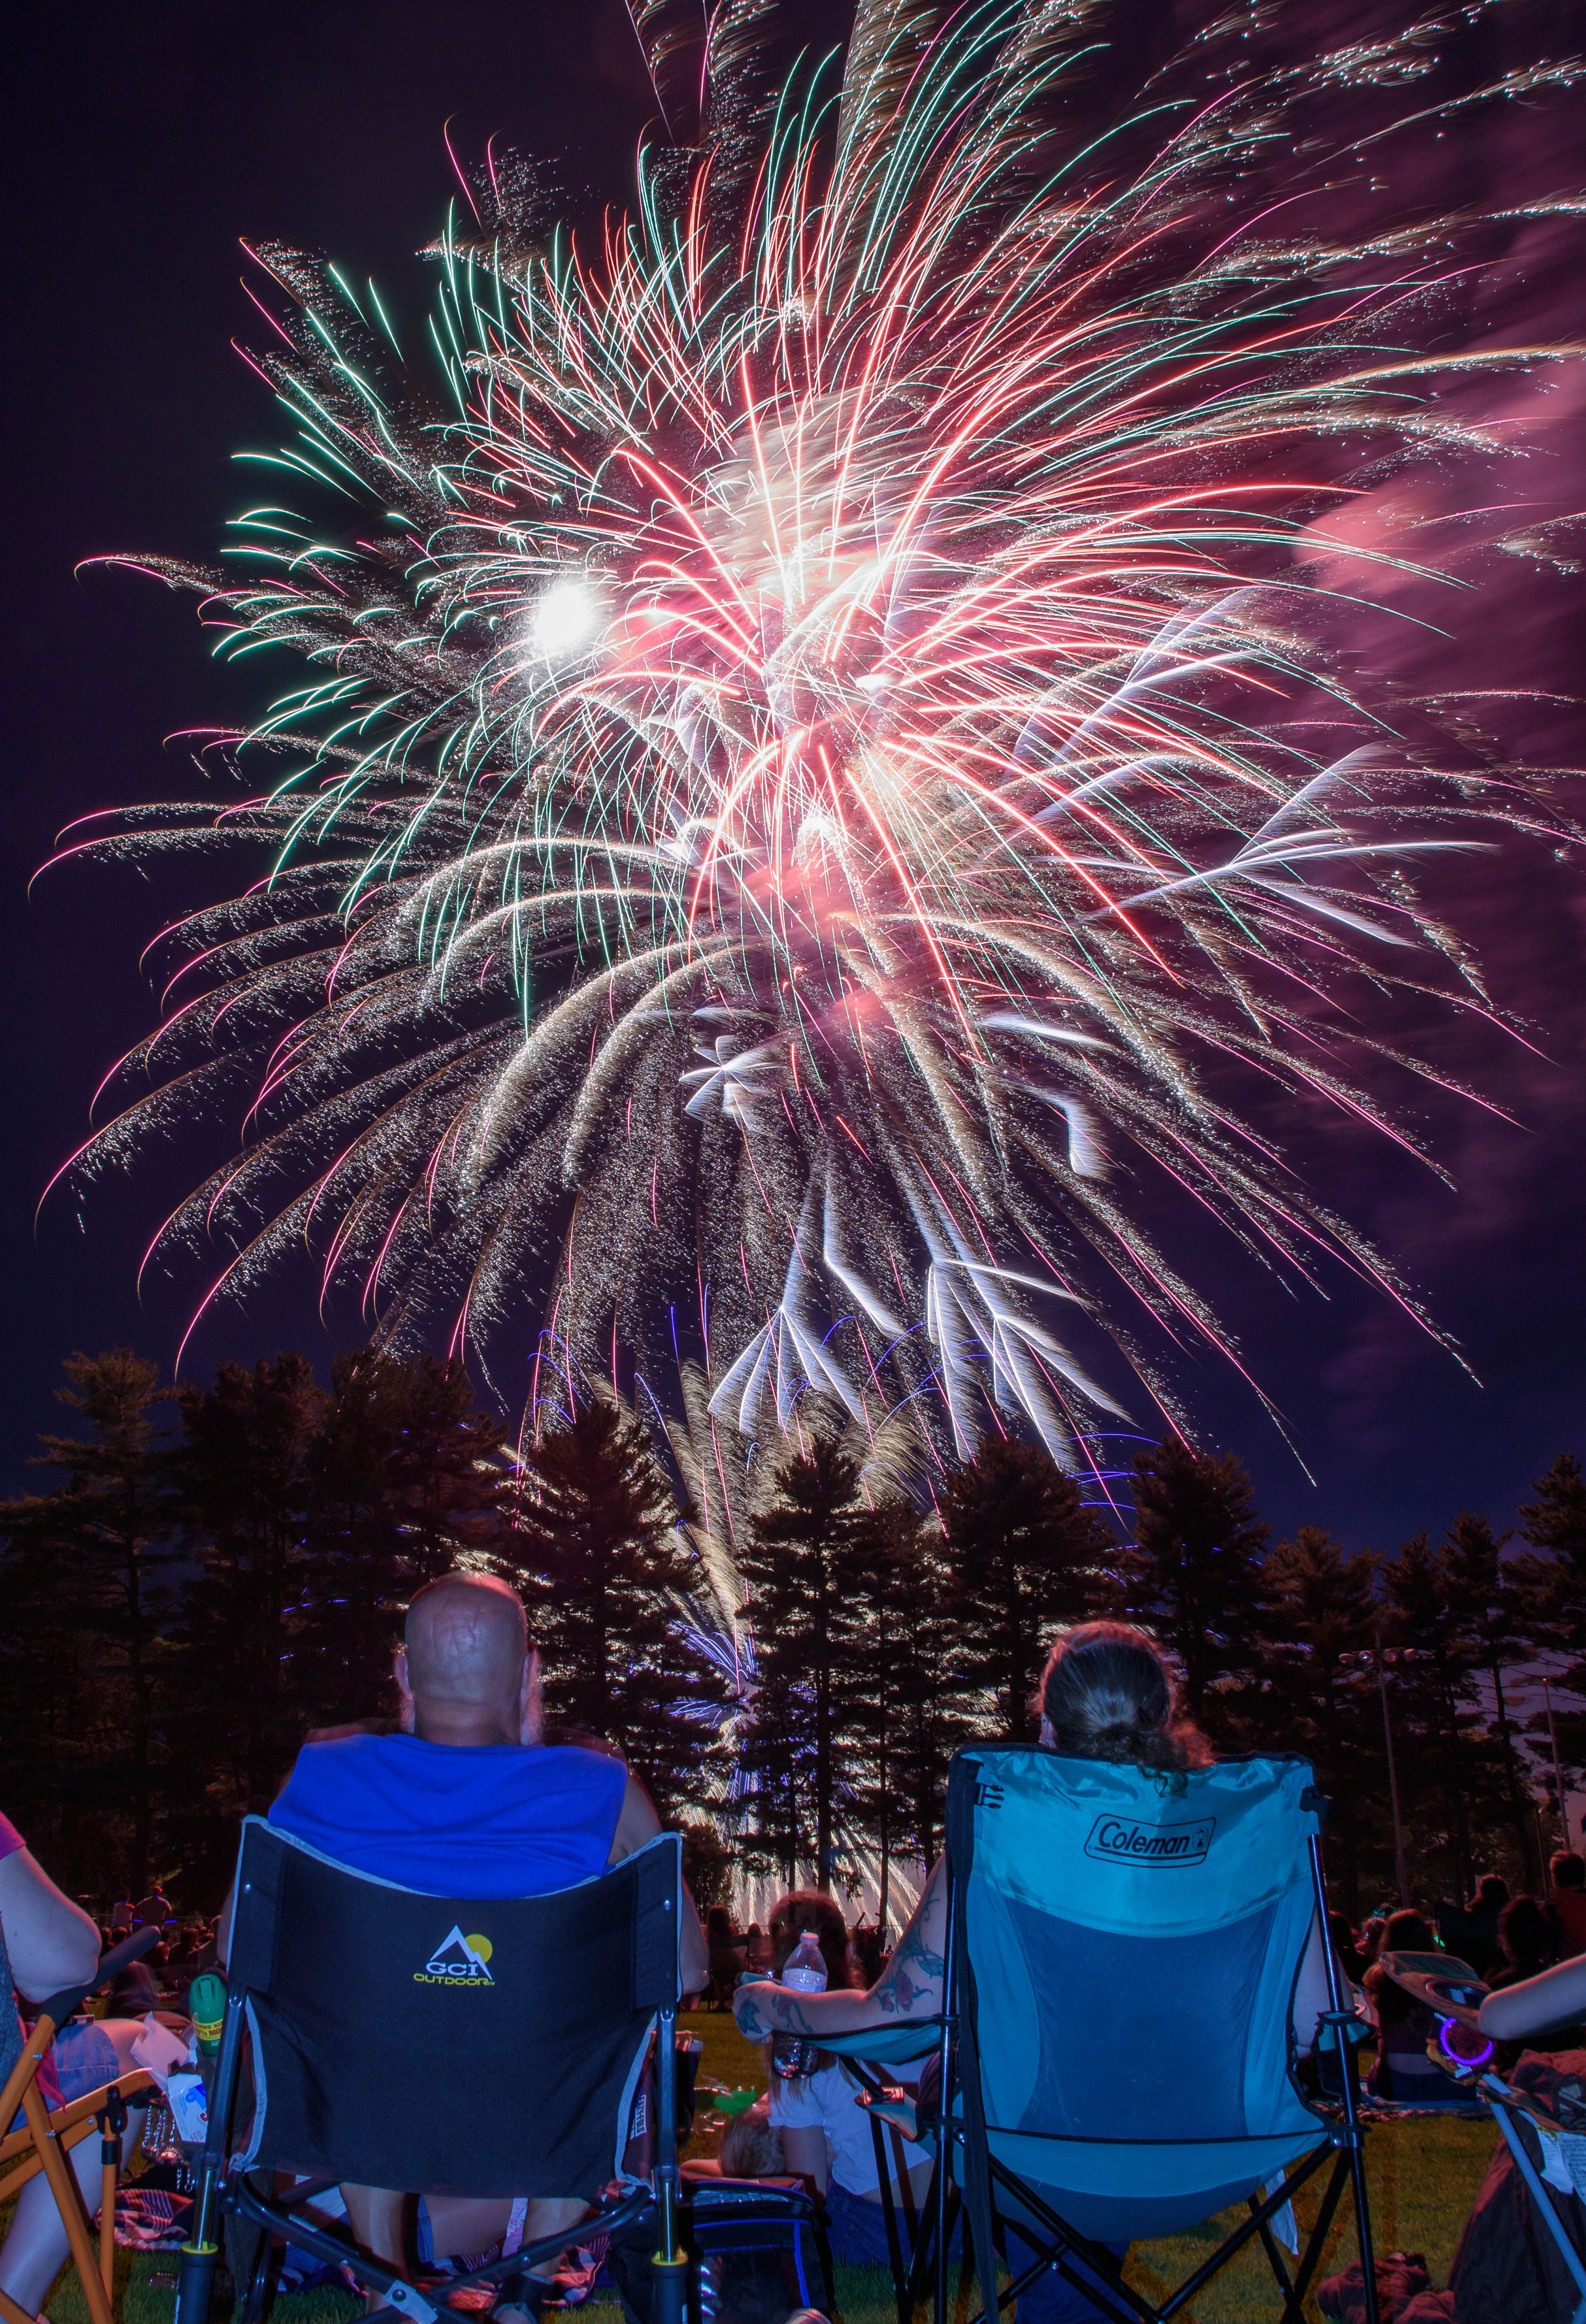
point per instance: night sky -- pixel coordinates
(145, 142)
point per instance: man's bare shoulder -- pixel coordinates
(637, 1821)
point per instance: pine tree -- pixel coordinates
(1556, 1522)
(901, 1714)
(1487, 1605)
(86, 1568)
(1195, 1570)
(595, 1541)
(244, 1476)
(936, 1711)
(1440, 1756)
(405, 1478)
(1322, 1616)
(795, 1564)
(1550, 1576)
(1025, 1556)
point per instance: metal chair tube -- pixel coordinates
(1501, 2105)
(669, 2265)
(1354, 2137)
(195, 2287)
(943, 2171)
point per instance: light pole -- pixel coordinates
(1378, 1661)
(1401, 1871)
(1558, 1773)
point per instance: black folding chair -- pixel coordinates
(487, 2047)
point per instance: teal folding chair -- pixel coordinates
(1115, 2046)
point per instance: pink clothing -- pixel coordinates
(47, 2081)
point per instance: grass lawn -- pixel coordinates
(1424, 2176)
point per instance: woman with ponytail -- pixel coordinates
(1106, 1694)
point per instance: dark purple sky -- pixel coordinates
(145, 142)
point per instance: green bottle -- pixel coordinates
(206, 2008)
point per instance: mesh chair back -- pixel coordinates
(456, 2045)
(1132, 1943)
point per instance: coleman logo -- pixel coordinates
(460, 1961)
(1116, 1838)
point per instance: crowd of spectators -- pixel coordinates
(1507, 1940)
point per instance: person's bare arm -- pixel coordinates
(910, 1985)
(637, 1825)
(806, 2156)
(1557, 1996)
(51, 1942)
(1311, 1995)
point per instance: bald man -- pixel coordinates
(467, 1801)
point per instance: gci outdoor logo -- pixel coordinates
(460, 1961)
(1119, 1839)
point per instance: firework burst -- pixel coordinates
(824, 766)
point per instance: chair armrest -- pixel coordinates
(897, 2044)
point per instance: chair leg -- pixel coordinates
(262, 2281)
(112, 2122)
(1357, 2156)
(1274, 2258)
(109, 2161)
(890, 2215)
(69, 2202)
(1310, 2259)
(669, 2268)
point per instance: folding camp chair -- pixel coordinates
(447, 2046)
(46, 2136)
(1115, 2047)
(1562, 2218)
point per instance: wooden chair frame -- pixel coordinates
(46, 2136)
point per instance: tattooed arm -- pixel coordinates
(910, 1985)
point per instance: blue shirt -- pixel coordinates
(496, 1820)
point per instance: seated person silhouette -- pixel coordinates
(468, 1800)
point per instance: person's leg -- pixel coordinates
(544, 2215)
(377, 2216)
(856, 2230)
(465, 2223)
(34, 2252)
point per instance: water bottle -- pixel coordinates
(805, 1970)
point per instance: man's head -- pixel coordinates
(467, 1674)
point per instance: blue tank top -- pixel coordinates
(492, 1821)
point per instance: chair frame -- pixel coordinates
(48, 2136)
(1344, 2141)
(1506, 2106)
(223, 2188)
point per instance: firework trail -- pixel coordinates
(822, 773)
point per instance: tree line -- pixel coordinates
(222, 1568)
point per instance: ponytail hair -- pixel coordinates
(1107, 1694)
